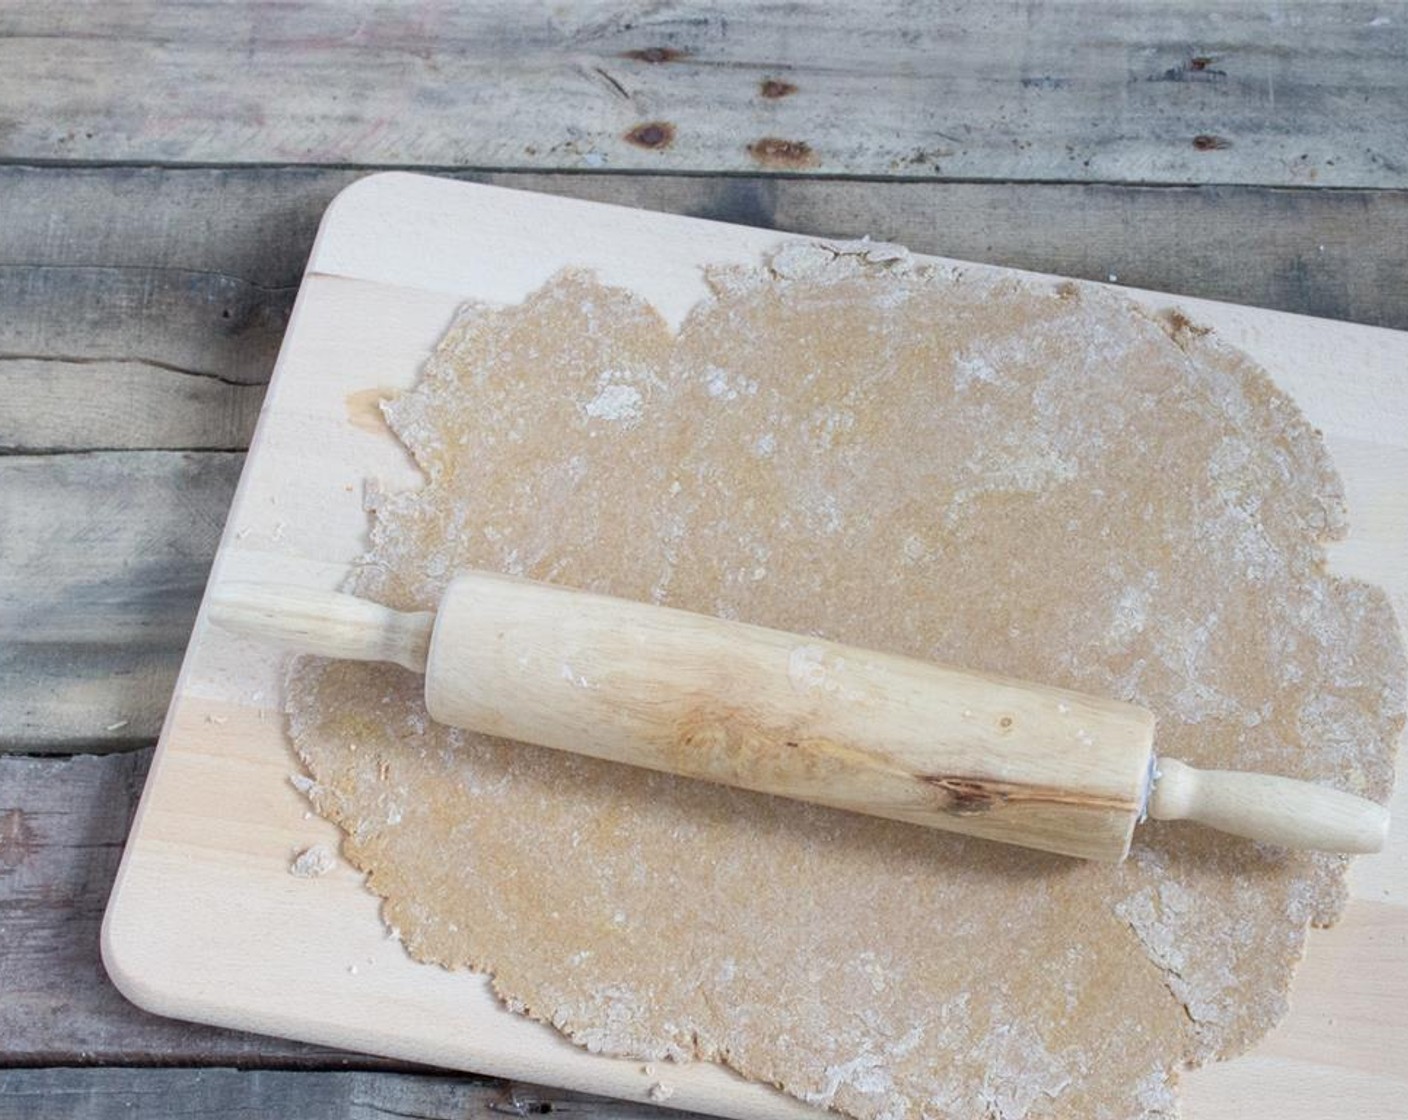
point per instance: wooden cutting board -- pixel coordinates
(206, 923)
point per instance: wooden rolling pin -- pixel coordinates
(799, 717)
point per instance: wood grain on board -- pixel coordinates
(97, 404)
(1294, 93)
(1333, 254)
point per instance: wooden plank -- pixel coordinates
(227, 1094)
(1335, 254)
(251, 226)
(1301, 92)
(206, 323)
(103, 560)
(92, 404)
(117, 285)
(62, 826)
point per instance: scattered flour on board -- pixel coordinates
(312, 862)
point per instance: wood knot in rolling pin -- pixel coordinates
(967, 796)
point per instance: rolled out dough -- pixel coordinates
(1012, 475)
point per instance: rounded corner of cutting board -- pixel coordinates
(367, 188)
(354, 203)
(124, 945)
(368, 204)
(372, 200)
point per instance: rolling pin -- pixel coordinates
(798, 717)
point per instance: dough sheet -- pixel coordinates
(1014, 475)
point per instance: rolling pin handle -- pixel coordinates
(326, 623)
(1272, 809)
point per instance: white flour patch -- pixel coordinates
(312, 862)
(621, 403)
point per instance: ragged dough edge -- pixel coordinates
(807, 261)
(1197, 341)
(1328, 892)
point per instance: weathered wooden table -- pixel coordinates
(163, 168)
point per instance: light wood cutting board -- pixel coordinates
(206, 923)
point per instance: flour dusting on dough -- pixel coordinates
(1019, 476)
(615, 401)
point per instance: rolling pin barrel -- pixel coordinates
(799, 717)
